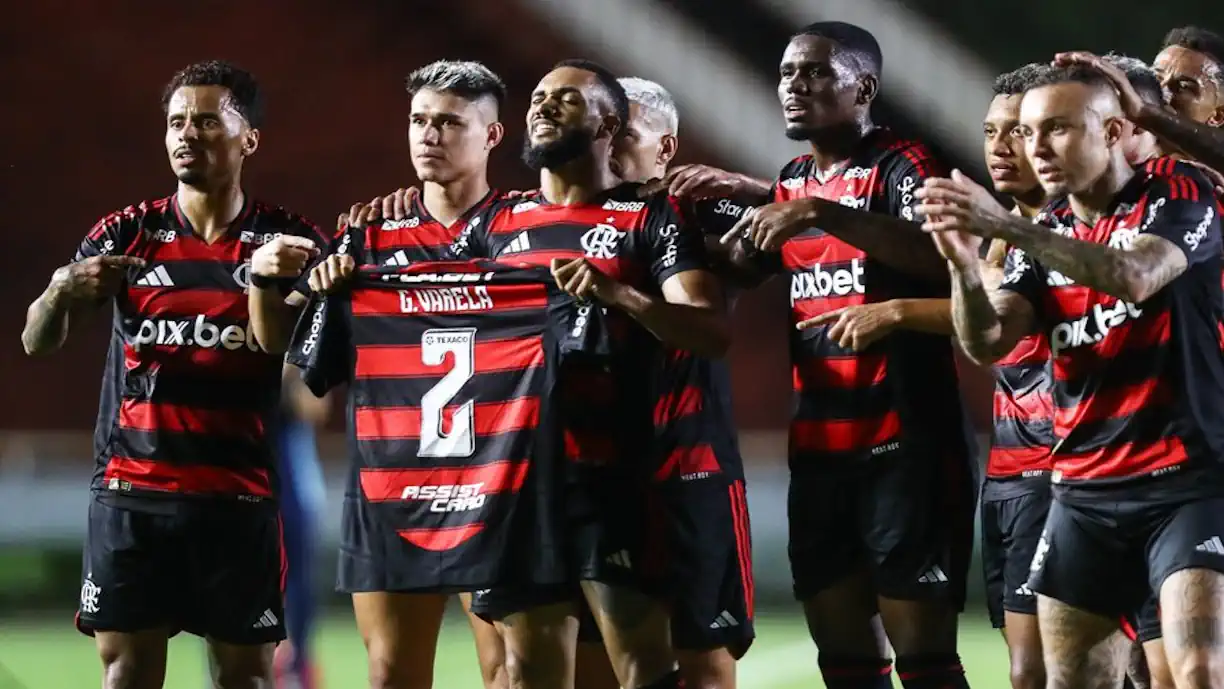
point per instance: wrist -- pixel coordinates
(970, 275)
(262, 281)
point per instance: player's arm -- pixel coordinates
(1200, 141)
(989, 324)
(1180, 228)
(279, 270)
(695, 182)
(93, 277)
(690, 315)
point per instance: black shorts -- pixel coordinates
(208, 568)
(1144, 624)
(1013, 515)
(1109, 551)
(907, 516)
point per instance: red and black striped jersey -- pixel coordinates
(451, 367)
(1023, 412)
(641, 243)
(1138, 388)
(187, 394)
(418, 237)
(695, 434)
(874, 402)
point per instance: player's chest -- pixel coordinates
(403, 242)
(855, 186)
(609, 241)
(186, 276)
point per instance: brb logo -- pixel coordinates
(1093, 327)
(457, 497)
(819, 283)
(194, 333)
(602, 241)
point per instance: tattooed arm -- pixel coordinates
(989, 325)
(1200, 141)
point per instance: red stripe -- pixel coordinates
(804, 253)
(1122, 460)
(175, 418)
(1012, 461)
(404, 423)
(161, 302)
(1128, 629)
(1115, 402)
(1034, 406)
(283, 555)
(842, 435)
(803, 309)
(440, 539)
(677, 404)
(535, 258)
(849, 372)
(687, 461)
(578, 215)
(490, 356)
(378, 485)
(457, 298)
(743, 543)
(187, 247)
(187, 478)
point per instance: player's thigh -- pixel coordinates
(240, 666)
(710, 550)
(541, 639)
(130, 581)
(636, 628)
(237, 561)
(133, 660)
(490, 647)
(1083, 650)
(593, 667)
(709, 669)
(1160, 676)
(400, 632)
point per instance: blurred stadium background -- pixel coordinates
(82, 82)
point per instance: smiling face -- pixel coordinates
(568, 116)
(207, 139)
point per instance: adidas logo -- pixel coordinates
(518, 245)
(620, 558)
(266, 620)
(157, 277)
(398, 258)
(1024, 590)
(724, 621)
(1211, 545)
(934, 575)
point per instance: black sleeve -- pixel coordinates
(320, 344)
(672, 244)
(110, 235)
(716, 216)
(903, 174)
(304, 228)
(1182, 209)
(1026, 278)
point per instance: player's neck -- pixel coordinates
(210, 212)
(1029, 204)
(577, 181)
(447, 203)
(1095, 201)
(833, 146)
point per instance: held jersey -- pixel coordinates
(695, 434)
(638, 242)
(187, 395)
(1138, 388)
(904, 387)
(451, 367)
(418, 237)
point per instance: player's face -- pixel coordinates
(641, 152)
(566, 117)
(1004, 147)
(1191, 79)
(450, 136)
(818, 88)
(206, 137)
(1065, 137)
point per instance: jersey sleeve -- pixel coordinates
(674, 245)
(1024, 277)
(107, 236)
(320, 345)
(902, 175)
(1182, 209)
(716, 216)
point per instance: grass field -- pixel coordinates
(52, 655)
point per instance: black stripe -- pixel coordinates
(400, 453)
(1016, 433)
(246, 394)
(500, 386)
(195, 274)
(191, 448)
(502, 324)
(844, 403)
(1020, 380)
(1126, 369)
(1148, 425)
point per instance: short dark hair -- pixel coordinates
(1050, 75)
(856, 41)
(1199, 40)
(1016, 82)
(245, 95)
(606, 79)
(1141, 77)
(466, 79)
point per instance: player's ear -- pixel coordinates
(668, 145)
(1114, 129)
(250, 142)
(609, 126)
(494, 135)
(869, 88)
(1217, 117)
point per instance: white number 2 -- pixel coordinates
(461, 440)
